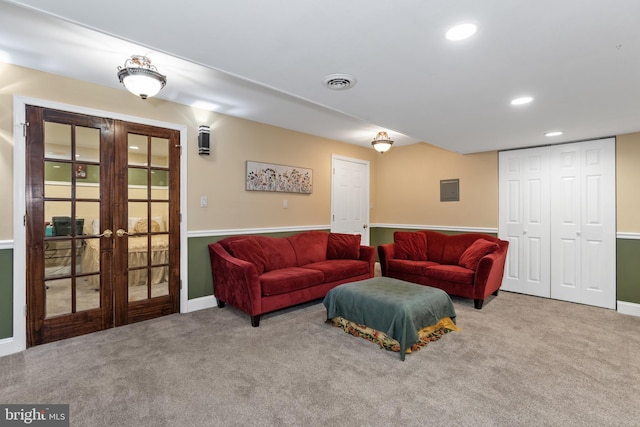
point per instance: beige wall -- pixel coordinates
(408, 187)
(628, 182)
(404, 181)
(219, 176)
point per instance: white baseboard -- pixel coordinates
(630, 308)
(201, 303)
(9, 346)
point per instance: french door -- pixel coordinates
(102, 223)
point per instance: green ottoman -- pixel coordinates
(399, 309)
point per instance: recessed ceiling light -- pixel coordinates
(461, 32)
(134, 147)
(554, 133)
(522, 100)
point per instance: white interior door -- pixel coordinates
(350, 197)
(583, 244)
(524, 219)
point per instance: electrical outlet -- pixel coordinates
(204, 201)
(285, 204)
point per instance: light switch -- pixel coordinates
(204, 201)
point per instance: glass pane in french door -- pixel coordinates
(71, 218)
(148, 217)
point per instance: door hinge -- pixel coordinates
(24, 220)
(25, 310)
(180, 284)
(25, 125)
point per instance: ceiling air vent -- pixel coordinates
(339, 81)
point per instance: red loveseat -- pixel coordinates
(258, 274)
(469, 265)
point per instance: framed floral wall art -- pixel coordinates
(280, 178)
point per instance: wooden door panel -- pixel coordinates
(66, 150)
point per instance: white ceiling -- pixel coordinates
(265, 61)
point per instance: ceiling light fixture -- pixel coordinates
(140, 77)
(339, 81)
(522, 100)
(382, 143)
(554, 133)
(461, 32)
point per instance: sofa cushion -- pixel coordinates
(249, 250)
(278, 251)
(343, 246)
(418, 268)
(339, 269)
(472, 255)
(290, 279)
(309, 246)
(450, 273)
(410, 245)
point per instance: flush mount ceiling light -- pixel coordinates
(339, 81)
(140, 77)
(461, 32)
(382, 143)
(522, 100)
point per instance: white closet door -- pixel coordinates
(524, 219)
(583, 239)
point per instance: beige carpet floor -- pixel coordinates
(520, 361)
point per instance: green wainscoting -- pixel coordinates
(628, 270)
(6, 293)
(199, 271)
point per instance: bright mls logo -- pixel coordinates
(36, 415)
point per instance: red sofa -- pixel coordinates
(258, 274)
(469, 265)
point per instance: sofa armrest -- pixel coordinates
(385, 253)
(488, 277)
(368, 254)
(235, 281)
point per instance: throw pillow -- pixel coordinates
(249, 250)
(343, 246)
(474, 253)
(143, 226)
(410, 245)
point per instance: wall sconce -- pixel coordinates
(140, 77)
(203, 140)
(382, 143)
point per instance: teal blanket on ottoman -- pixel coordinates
(397, 308)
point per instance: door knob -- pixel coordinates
(106, 233)
(364, 225)
(120, 232)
